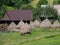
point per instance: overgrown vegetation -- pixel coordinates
(56, 2)
(26, 4)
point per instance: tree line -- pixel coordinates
(25, 4)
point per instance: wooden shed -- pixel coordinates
(16, 16)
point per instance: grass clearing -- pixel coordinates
(38, 36)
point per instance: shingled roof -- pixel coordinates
(17, 15)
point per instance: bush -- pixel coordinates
(58, 18)
(26, 7)
(36, 13)
(49, 12)
(44, 12)
(2, 10)
(56, 2)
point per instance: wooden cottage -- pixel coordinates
(16, 16)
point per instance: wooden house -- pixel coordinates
(16, 16)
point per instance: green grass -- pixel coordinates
(9, 8)
(38, 36)
(34, 3)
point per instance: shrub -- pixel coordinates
(58, 18)
(2, 10)
(56, 2)
(49, 13)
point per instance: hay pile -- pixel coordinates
(56, 24)
(12, 26)
(25, 29)
(5, 26)
(20, 25)
(36, 24)
(46, 23)
(31, 25)
(27, 25)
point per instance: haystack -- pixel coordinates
(31, 25)
(27, 25)
(25, 29)
(56, 24)
(1, 27)
(12, 26)
(5, 26)
(36, 23)
(46, 23)
(20, 24)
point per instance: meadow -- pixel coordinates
(38, 36)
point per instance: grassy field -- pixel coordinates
(38, 36)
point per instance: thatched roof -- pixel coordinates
(36, 23)
(25, 28)
(12, 26)
(56, 24)
(45, 23)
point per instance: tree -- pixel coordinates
(50, 2)
(36, 13)
(26, 7)
(49, 13)
(56, 2)
(27, 1)
(18, 3)
(2, 10)
(42, 2)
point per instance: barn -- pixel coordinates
(16, 16)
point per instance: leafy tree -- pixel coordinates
(27, 1)
(56, 2)
(42, 2)
(36, 13)
(2, 10)
(44, 12)
(14, 3)
(10, 2)
(25, 7)
(49, 13)
(18, 3)
(58, 18)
